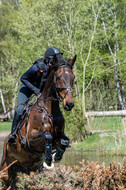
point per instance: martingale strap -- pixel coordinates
(44, 111)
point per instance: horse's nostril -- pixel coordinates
(70, 104)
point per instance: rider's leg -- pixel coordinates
(23, 95)
(48, 147)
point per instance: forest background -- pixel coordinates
(93, 30)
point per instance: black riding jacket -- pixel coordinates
(35, 77)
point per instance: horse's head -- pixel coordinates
(63, 80)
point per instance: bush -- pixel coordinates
(90, 176)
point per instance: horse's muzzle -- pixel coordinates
(69, 106)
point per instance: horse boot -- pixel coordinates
(48, 150)
(12, 139)
(64, 143)
(57, 156)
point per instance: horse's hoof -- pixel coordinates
(47, 166)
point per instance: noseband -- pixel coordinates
(59, 89)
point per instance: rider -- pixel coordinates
(33, 81)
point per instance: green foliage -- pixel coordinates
(29, 27)
(74, 122)
(106, 123)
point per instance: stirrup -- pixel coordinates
(13, 139)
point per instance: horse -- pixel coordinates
(37, 137)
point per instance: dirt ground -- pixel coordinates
(4, 134)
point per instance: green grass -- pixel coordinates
(113, 144)
(89, 144)
(5, 126)
(105, 143)
(106, 123)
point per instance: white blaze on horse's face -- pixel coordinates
(66, 72)
(64, 82)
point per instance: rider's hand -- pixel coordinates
(37, 91)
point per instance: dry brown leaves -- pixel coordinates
(88, 176)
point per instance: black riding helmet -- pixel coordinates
(50, 52)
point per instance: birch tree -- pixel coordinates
(85, 62)
(2, 101)
(114, 51)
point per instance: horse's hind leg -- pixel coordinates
(48, 149)
(64, 142)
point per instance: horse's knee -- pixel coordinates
(47, 137)
(64, 142)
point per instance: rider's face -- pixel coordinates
(48, 63)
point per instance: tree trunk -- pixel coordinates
(2, 100)
(14, 100)
(116, 62)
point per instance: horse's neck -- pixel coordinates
(49, 89)
(48, 93)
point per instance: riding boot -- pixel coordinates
(12, 139)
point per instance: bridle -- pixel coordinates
(59, 89)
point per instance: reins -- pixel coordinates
(47, 99)
(19, 104)
(58, 98)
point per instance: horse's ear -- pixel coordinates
(72, 61)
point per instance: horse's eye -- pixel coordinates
(60, 89)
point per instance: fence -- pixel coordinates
(106, 113)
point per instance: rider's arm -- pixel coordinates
(28, 76)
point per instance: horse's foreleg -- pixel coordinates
(64, 142)
(48, 149)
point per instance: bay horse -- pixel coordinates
(37, 137)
